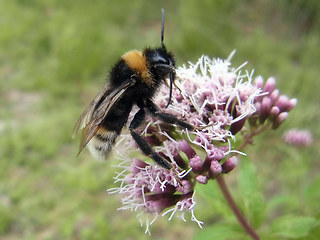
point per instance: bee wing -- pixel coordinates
(93, 115)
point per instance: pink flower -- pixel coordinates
(154, 190)
(218, 101)
(213, 97)
(298, 137)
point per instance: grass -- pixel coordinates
(54, 57)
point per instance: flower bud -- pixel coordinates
(270, 85)
(187, 149)
(237, 126)
(185, 187)
(279, 119)
(283, 103)
(229, 164)
(202, 179)
(215, 169)
(274, 96)
(196, 164)
(292, 103)
(275, 111)
(158, 202)
(259, 82)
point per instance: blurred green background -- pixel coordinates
(54, 57)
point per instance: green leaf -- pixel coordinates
(6, 219)
(211, 193)
(293, 226)
(313, 234)
(248, 181)
(252, 197)
(221, 231)
(283, 203)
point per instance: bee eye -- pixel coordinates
(157, 59)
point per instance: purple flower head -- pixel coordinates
(218, 101)
(298, 137)
(154, 190)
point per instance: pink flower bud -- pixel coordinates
(186, 148)
(214, 153)
(196, 164)
(257, 105)
(237, 126)
(274, 112)
(185, 187)
(283, 103)
(292, 103)
(156, 203)
(274, 96)
(265, 109)
(259, 82)
(279, 119)
(229, 164)
(215, 169)
(270, 85)
(202, 179)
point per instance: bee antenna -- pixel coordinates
(162, 28)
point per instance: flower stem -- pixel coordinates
(235, 209)
(248, 138)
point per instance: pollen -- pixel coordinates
(138, 63)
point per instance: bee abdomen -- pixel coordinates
(101, 144)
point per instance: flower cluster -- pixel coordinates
(212, 97)
(298, 137)
(217, 100)
(153, 189)
(271, 106)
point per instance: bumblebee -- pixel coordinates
(134, 80)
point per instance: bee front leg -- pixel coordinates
(166, 117)
(142, 143)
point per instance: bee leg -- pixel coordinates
(148, 151)
(142, 143)
(166, 117)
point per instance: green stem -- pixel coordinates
(235, 209)
(248, 138)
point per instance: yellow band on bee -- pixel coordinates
(137, 62)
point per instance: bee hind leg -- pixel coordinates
(142, 143)
(147, 150)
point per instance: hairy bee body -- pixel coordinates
(140, 71)
(134, 80)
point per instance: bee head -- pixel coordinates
(161, 65)
(161, 62)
